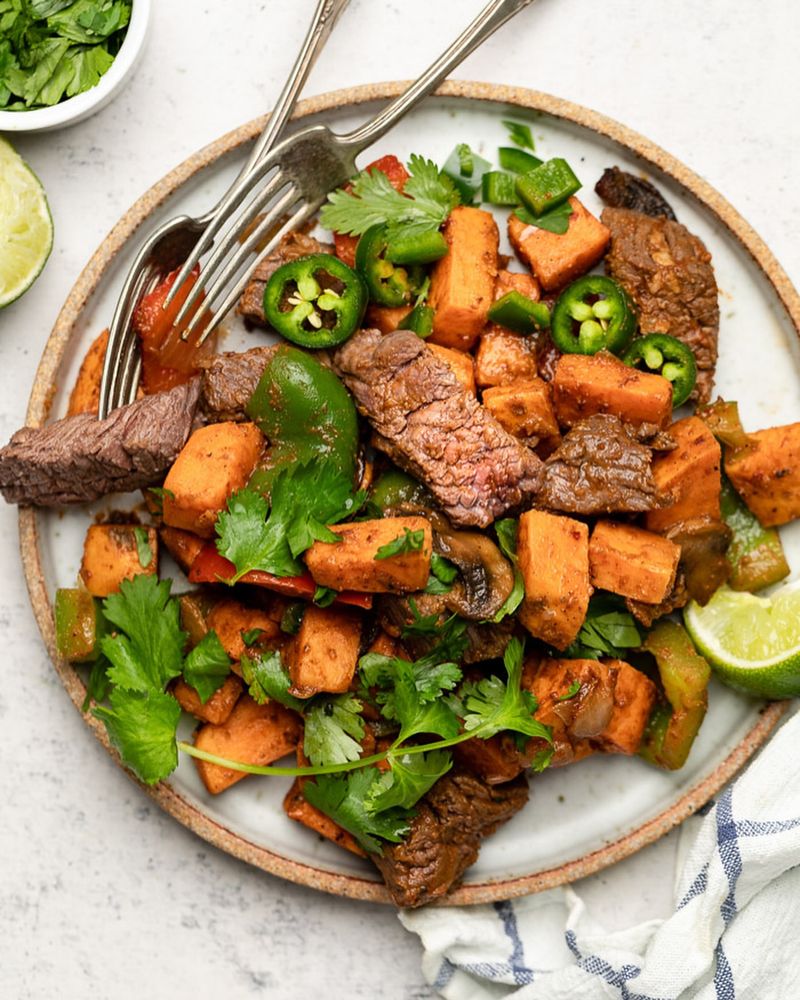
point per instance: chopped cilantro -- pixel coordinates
(409, 541)
(142, 727)
(98, 684)
(292, 618)
(333, 726)
(159, 494)
(143, 550)
(520, 134)
(507, 537)
(267, 679)
(443, 569)
(608, 630)
(407, 780)
(555, 220)
(251, 636)
(207, 666)
(325, 596)
(572, 690)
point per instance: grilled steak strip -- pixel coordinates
(292, 245)
(229, 380)
(667, 272)
(81, 458)
(445, 835)
(599, 468)
(430, 426)
(619, 189)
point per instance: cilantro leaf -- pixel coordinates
(333, 727)
(251, 636)
(410, 777)
(292, 618)
(207, 666)
(571, 691)
(98, 684)
(150, 652)
(410, 693)
(324, 596)
(252, 542)
(409, 541)
(493, 706)
(555, 220)
(608, 630)
(507, 537)
(443, 569)
(267, 679)
(343, 798)
(520, 134)
(142, 727)
(426, 201)
(143, 550)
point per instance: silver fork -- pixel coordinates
(169, 245)
(296, 178)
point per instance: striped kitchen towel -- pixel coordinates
(734, 935)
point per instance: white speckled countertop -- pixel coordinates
(102, 895)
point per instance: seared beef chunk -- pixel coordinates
(620, 189)
(81, 458)
(291, 246)
(431, 426)
(667, 272)
(445, 835)
(229, 380)
(599, 468)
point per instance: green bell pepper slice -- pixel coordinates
(592, 314)
(664, 355)
(547, 185)
(315, 301)
(755, 553)
(387, 284)
(80, 624)
(684, 674)
(305, 413)
(396, 489)
(516, 311)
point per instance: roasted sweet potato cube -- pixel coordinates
(218, 707)
(553, 554)
(229, 619)
(504, 357)
(385, 318)
(298, 808)
(116, 552)
(550, 680)
(767, 474)
(216, 461)
(558, 259)
(388, 645)
(352, 563)
(496, 760)
(462, 282)
(462, 364)
(324, 653)
(634, 698)
(587, 384)
(523, 408)
(517, 281)
(85, 395)
(252, 734)
(689, 474)
(183, 546)
(632, 562)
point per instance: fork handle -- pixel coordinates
(485, 24)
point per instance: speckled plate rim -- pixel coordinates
(44, 390)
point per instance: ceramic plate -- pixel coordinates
(580, 818)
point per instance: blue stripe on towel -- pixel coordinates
(596, 966)
(522, 974)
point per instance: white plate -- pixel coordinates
(582, 817)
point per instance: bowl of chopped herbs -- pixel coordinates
(63, 60)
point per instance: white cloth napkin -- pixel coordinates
(734, 935)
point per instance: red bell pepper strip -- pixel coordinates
(345, 244)
(211, 567)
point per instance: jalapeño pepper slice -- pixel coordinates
(315, 301)
(664, 355)
(592, 314)
(387, 284)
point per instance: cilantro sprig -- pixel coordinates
(608, 630)
(427, 199)
(408, 541)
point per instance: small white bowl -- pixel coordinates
(81, 106)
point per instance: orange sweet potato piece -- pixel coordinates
(587, 384)
(553, 554)
(504, 357)
(517, 281)
(324, 653)
(298, 808)
(85, 395)
(385, 318)
(351, 564)
(767, 474)
(558, 259)
(632, 562)
(252, 734)
(218, 707)
(634, 698)
(462, 282)
(183, 546)
(462, 364)
(524, 409)
(113, 553)
(229, 619)
(216, 461)
(689, 474)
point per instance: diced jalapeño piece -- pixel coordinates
(517, 160)
(499, 188)
(516, 311)
(79, 625)
(547, 185)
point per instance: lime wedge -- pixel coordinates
(26, 227)
(752, 642)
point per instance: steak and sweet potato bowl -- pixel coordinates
(435, 537)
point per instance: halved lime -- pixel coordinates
(752, 642)
(26, 227)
